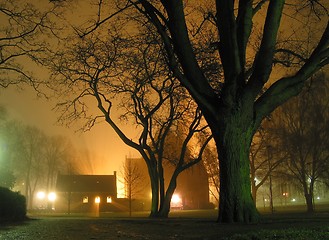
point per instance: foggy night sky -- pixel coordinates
(106, 150)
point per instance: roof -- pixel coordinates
(86, 183)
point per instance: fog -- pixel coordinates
(105, 149)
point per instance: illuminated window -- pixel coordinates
(97, 199)
(85, 200)
(109, 199)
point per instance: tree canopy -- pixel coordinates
(238, 60)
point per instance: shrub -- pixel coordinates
(12, 205)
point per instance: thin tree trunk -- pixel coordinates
(309, 202)
(155, 194)
(164, 211)
(254, 192)
(130, 199)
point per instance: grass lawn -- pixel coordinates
(185, 225)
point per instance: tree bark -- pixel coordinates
(233, 145)
(155, 194)
(309, 202)
(164, 211)
(308, 193)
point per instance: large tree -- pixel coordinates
(234, 100)
(224, 53)
(235, 105)
(230, 89)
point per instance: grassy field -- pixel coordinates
(284, 224)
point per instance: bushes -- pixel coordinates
(12, 205)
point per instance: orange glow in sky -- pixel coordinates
(105, 150)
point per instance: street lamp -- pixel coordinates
(51, 199)
(41, 195)
(176, 202)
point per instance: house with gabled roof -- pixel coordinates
(86, 193)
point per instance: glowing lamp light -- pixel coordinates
(41, 195)
(176, 199)
(97, 199)
(52, 197)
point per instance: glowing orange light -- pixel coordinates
(97, 200)
(41, 195)
(52, 196)
(176, 199)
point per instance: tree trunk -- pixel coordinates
(155, 191)
(164, 211)
(130, 199)
(308, 193)
(233, 136)
(309, 202)
(254, 191)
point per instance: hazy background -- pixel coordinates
(106, 151)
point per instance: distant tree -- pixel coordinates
(302, 125)
(31, 156)
(56, 156)
(133, 179)
(233, 86)
(31, 160)
(264, 158)
(7, 178)
(210, 162)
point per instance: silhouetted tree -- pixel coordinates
(302, 125)
(229, 89)
(131, 75)
(24, 26)
(30, 160)
(211, 164)
(264, 158)
(56, 159)
(133, 179)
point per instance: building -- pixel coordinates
(86, 193)
(193, 187)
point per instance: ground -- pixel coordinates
(184, 225)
